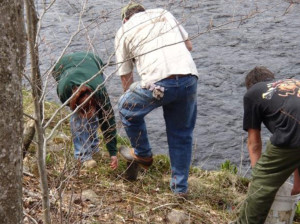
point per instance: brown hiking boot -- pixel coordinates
(129, 155)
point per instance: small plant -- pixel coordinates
(49, 159)
(297, 212)
(228, 166)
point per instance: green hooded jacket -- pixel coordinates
(74, 69)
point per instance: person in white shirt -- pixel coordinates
(159, 47)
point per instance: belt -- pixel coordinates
(177, 76)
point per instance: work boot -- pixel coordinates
(132, 171)
(182, 195)
(89, 164)
(129, 155)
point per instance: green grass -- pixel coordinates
(228, 166)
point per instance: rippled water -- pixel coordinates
(223, 56)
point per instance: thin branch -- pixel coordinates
(165, 205)
(30, 217)
(41, 19)
(28, 79)
(288, 9)
(64, 50)
(29, 116)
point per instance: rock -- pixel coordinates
(30, 166)
(58, 142)
(56, 147)
(28, 134)
(89, 164)
(177, 217)
(26, 170)
(90, 195)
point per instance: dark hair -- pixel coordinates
(258, 74)
(132, 10)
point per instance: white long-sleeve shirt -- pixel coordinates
(154, 41)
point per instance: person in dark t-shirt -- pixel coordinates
(276, 103)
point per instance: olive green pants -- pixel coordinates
(270, 172)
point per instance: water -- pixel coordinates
(223, 54)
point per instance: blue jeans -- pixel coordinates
(85, 136)
(179, 107)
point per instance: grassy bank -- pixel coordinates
(213, 196)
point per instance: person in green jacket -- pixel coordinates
(91, 102)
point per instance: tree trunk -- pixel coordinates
(12, 61)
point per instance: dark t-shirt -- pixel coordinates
(277, 105)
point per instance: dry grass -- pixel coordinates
(213, 196)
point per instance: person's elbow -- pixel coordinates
(188, 44)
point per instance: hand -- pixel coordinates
(113, 162)
(127, 80)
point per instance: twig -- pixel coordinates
(288, 8)
(242, 155)
(29, 116)
(28, 174)
(63, 52)
(165, 205)
(30, 217)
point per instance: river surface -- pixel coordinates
(229, 38)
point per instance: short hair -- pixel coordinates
(131, 9)
(258, 74)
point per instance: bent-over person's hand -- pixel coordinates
(113, 162)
